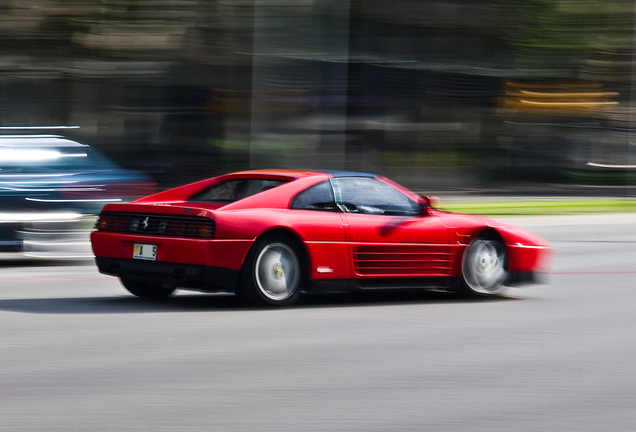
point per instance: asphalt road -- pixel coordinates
(78, 353)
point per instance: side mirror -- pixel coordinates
(429, 202)
(434, 202)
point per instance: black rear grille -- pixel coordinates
(156, 224)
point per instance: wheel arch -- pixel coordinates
(250, 290)
(480, 274)
(491, 233)
(289, 234)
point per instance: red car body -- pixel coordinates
(274, 232)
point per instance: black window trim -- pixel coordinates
(344, 207)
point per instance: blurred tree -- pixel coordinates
(171, 76)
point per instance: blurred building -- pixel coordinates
(532, 95)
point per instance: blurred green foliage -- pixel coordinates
(530, 208)
(186, 89)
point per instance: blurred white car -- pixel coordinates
(51, 188)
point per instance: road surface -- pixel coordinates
(77, 353)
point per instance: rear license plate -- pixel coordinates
(145, 251)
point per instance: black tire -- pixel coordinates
(484, 267)
(147, 289)
(272, 274)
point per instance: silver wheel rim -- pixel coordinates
(484, 266)
(277, 271)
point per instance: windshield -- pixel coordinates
(371, 196)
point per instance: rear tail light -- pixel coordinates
(205, 231)
(156, 224)
(103, 222)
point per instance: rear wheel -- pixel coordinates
(147, 289)
(272, 273)
(484, 267)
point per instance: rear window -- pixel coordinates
(235, 189)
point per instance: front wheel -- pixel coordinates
(484, 267)
(146, 289)
(272, 273)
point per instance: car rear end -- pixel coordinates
(171, 244)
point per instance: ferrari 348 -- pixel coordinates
(270, 235)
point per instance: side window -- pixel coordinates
(234, 190)
(317, 197)
(371, 196)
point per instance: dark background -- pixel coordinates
(495, 96)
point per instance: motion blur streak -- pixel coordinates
(495, 96)
(43, 217)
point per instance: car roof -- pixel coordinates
(348, 174)
(298, 177)
(297, 173)
(37, 141)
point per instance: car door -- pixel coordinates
(389, 234)
(320, 222)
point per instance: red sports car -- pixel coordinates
(269, 235)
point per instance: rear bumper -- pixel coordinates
(200, 277)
